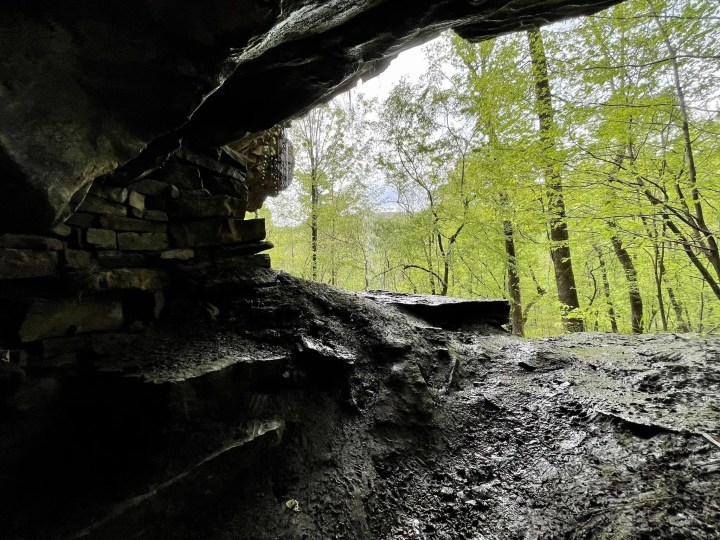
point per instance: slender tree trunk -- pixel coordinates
(636, 304)
(428, 258)
(559, 236)
(314, 203)
(606, 290)
(675, 303)
(659, 270)
(516, 314)
(701, 313)
(678, 309)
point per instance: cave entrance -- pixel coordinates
(569, 170)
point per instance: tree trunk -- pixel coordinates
(516, 314)
(314, 203)
(559, 236)
(636, 304)
(606, 290)
(659, 270)
(676, 305)
(678, 309)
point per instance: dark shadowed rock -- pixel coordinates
(142, 279)
(26, 263)
(56, 318)
(214, 232)
(207, 207)
(445, 311)
(30, 241)
(117, 223)
(142, 241)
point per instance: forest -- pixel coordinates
(573, 170)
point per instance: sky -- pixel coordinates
(410, 64)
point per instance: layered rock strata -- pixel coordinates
(105, 272)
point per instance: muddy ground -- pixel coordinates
(294, 410)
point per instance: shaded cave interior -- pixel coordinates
(151, 361)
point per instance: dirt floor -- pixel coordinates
(299, 411)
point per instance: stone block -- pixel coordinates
(118, 259)
(77, 259)
(149, 214)
(143, 279)
(225, 185)
(26, 263)
(261, 260)
(206, 207)
(156, 215)
(124, 224)
(30, 241)
(217, 232)
(178, 254)
(62, 230)
(111, 193)
(132, 241)
(82, 220)
(137, 201)
(182, 175)
(49, 318)
(98, 205)
(249, 248)
(101, 238)
(155, 188)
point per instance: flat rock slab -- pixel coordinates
(49, 318)
(444, 311)
(217, 232)
(30, 241)
(27, 263)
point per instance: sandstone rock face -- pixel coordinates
(90, 89)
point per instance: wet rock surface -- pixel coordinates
(293, 410)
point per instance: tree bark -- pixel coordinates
(636, 304)
(606, 290)
(314, 203)
(675, 303)
(559, 235)
(516, 312)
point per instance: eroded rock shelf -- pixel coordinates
(379, 424)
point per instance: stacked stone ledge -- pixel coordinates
(84, 287)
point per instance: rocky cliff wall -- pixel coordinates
(79, 287)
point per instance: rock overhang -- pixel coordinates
(88, 89)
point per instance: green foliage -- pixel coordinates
(416, 194)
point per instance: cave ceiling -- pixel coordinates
(89, 89)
